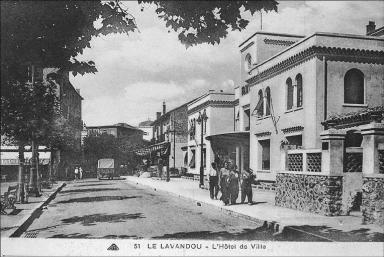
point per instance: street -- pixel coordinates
(117, 209)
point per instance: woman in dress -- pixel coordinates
(224, 183)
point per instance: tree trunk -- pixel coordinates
(33, 187)
(21, 194)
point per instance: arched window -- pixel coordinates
(289, 94)
(299, 85)
(248, 62)
(268, 101)
(260, 104)
(354, 87)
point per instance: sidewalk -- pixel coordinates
(264, 212)
(13, 223)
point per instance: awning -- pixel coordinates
(162, 148)
(240, 137)
(12, 158)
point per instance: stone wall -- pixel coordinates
(373, 200)
(310, 193)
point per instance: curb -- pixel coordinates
(26, 222)
(276, 227)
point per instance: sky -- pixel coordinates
(137, 72)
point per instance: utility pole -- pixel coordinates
(201, 120)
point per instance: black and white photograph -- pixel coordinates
(192, 128)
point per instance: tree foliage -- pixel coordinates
(99, 146)
(27, 111)
(207, 21)
(54, 33)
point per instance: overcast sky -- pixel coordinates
(137, 72)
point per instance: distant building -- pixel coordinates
(147, 127)
(170, 132)
(121, 131)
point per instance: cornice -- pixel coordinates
(292, 129)
(247, 46)
(330, 53)
(263, 134)
(211, 103)
(270, 41)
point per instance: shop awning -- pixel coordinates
(12, 158)
(240, 137)
(162, 148)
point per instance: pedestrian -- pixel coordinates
(76, 173)
(233, 184)
(213, 181)
(247, 178)
(224, 183)
(80, 173)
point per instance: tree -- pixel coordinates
(99, 146)
(27, 110)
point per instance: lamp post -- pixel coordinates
(201, 120)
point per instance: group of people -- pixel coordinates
(227, 180)
(78, 173)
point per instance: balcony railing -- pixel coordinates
(304, 160)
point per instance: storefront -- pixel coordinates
(10, 163)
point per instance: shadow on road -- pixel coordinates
(93, 185)
(359, 235)
(91, 220)
(260, 233)
(122, 237)
(97, 199)
(73, 235)
(86, 190)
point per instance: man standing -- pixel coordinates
(246, 185)
(76, 173)
(213, 181)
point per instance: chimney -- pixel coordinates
(158, 114)
(371, 27)
(164, 107)
(78, 90)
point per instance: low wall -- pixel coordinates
(311, 193)
(373, 199)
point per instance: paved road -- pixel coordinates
(117, 209)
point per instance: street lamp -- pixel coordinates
(201, 120)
